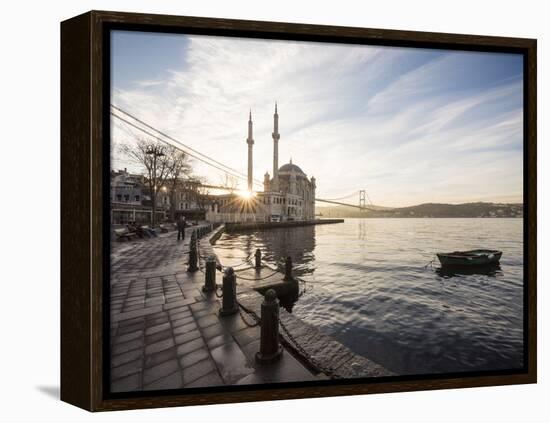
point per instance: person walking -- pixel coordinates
(181, 227)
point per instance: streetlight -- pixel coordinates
(155, 151)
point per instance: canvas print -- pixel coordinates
(291, 212)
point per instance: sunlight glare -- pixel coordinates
(247, 195)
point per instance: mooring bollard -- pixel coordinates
(229, 293)
(270, 347)
(210, 274)
(288, 269)
(193, 257)
(258, 257)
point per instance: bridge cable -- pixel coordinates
(343, 198)
(243, 176)
(186, 152)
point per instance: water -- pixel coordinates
(366, 285)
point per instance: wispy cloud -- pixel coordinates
(408, 125)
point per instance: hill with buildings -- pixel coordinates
(434, 210)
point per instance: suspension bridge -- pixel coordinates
(128, 123)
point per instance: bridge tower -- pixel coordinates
(362, 200)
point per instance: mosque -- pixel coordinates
(288, 195)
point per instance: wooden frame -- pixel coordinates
(83, 153)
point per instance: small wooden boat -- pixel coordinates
(470, 258)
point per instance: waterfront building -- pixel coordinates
(288, 195)
(128, 198)
(183, 198)
(131, 199)
(126, 188)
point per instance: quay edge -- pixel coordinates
(248, 226)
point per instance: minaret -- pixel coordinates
(276, 137)
(266, 182)
(250, 142)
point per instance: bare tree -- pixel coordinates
(202, 194)
(158, 164)
(180, 166)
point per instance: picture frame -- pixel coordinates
(85, 232)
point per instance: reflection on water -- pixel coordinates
(367, 285)
(457, 271)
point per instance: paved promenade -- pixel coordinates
(166, 333)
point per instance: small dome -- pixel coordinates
(289, 167)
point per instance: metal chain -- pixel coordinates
(254, 316)
(242, 270)
(246, 261)
(257, 279)
(250, 325)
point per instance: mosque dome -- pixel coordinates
(290, 167)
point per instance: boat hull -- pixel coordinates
(470, 258)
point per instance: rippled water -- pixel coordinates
(367, 286)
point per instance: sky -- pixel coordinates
(407, 125)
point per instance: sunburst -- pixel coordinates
(245, 202)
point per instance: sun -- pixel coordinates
(246, 195)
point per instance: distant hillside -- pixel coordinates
(435, 210)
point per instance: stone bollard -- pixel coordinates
(210, 274)
(270, 347)
(229, 293)
(288, 269)
(258, 257)
(193, 257)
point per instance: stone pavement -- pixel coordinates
(166, 333)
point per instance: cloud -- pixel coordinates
(408, 125)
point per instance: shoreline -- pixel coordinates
(247, 226)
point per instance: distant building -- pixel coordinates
(126, 188)
(129, 201)
(288, 195)
(295, 197)
(185, 200)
